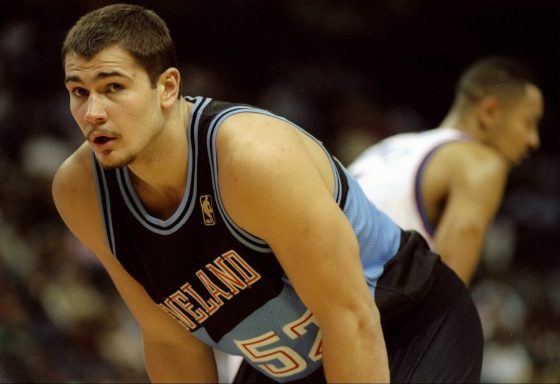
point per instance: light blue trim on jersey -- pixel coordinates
(143, 216)
(337, 190)
(182, 214)
(378, 236)
(243, 236)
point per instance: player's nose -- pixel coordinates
(95, 112)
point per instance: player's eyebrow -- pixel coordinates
(99, 76)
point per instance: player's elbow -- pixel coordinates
(352, 320)
(473, 230)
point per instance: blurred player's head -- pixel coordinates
(503, 97)
(139, 31)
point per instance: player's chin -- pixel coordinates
(110, 161)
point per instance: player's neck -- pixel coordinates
(463, 122)
(162, 169)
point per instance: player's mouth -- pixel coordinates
(101, 140)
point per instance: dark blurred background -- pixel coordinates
(350, 72)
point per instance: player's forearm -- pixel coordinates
(355, 356)
(461, 251)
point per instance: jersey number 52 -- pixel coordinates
(282, 361)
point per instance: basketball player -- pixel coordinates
(224, 226)
(447, 183)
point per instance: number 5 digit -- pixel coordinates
(288, 361)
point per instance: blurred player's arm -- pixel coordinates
(476, 177)
(278, 187)
(172, 353)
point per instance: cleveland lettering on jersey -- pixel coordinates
(224, 278)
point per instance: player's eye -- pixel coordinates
(114, 87)
(79, 92)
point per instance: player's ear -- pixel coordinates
(170, 83)
(488, 110)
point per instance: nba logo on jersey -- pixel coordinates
(207, 210)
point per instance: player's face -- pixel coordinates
(516, 133)
(114, 104)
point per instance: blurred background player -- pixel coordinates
(448, 182)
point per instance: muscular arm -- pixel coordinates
(172, 354)
(474, 180)
(278, 186)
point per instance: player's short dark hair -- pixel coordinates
(138, 30)
(504, 77)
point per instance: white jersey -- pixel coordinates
(390, 172)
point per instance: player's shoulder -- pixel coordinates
(254, 134)
(471, 152)
(73, 180)
(470, 160)
(75, 196)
